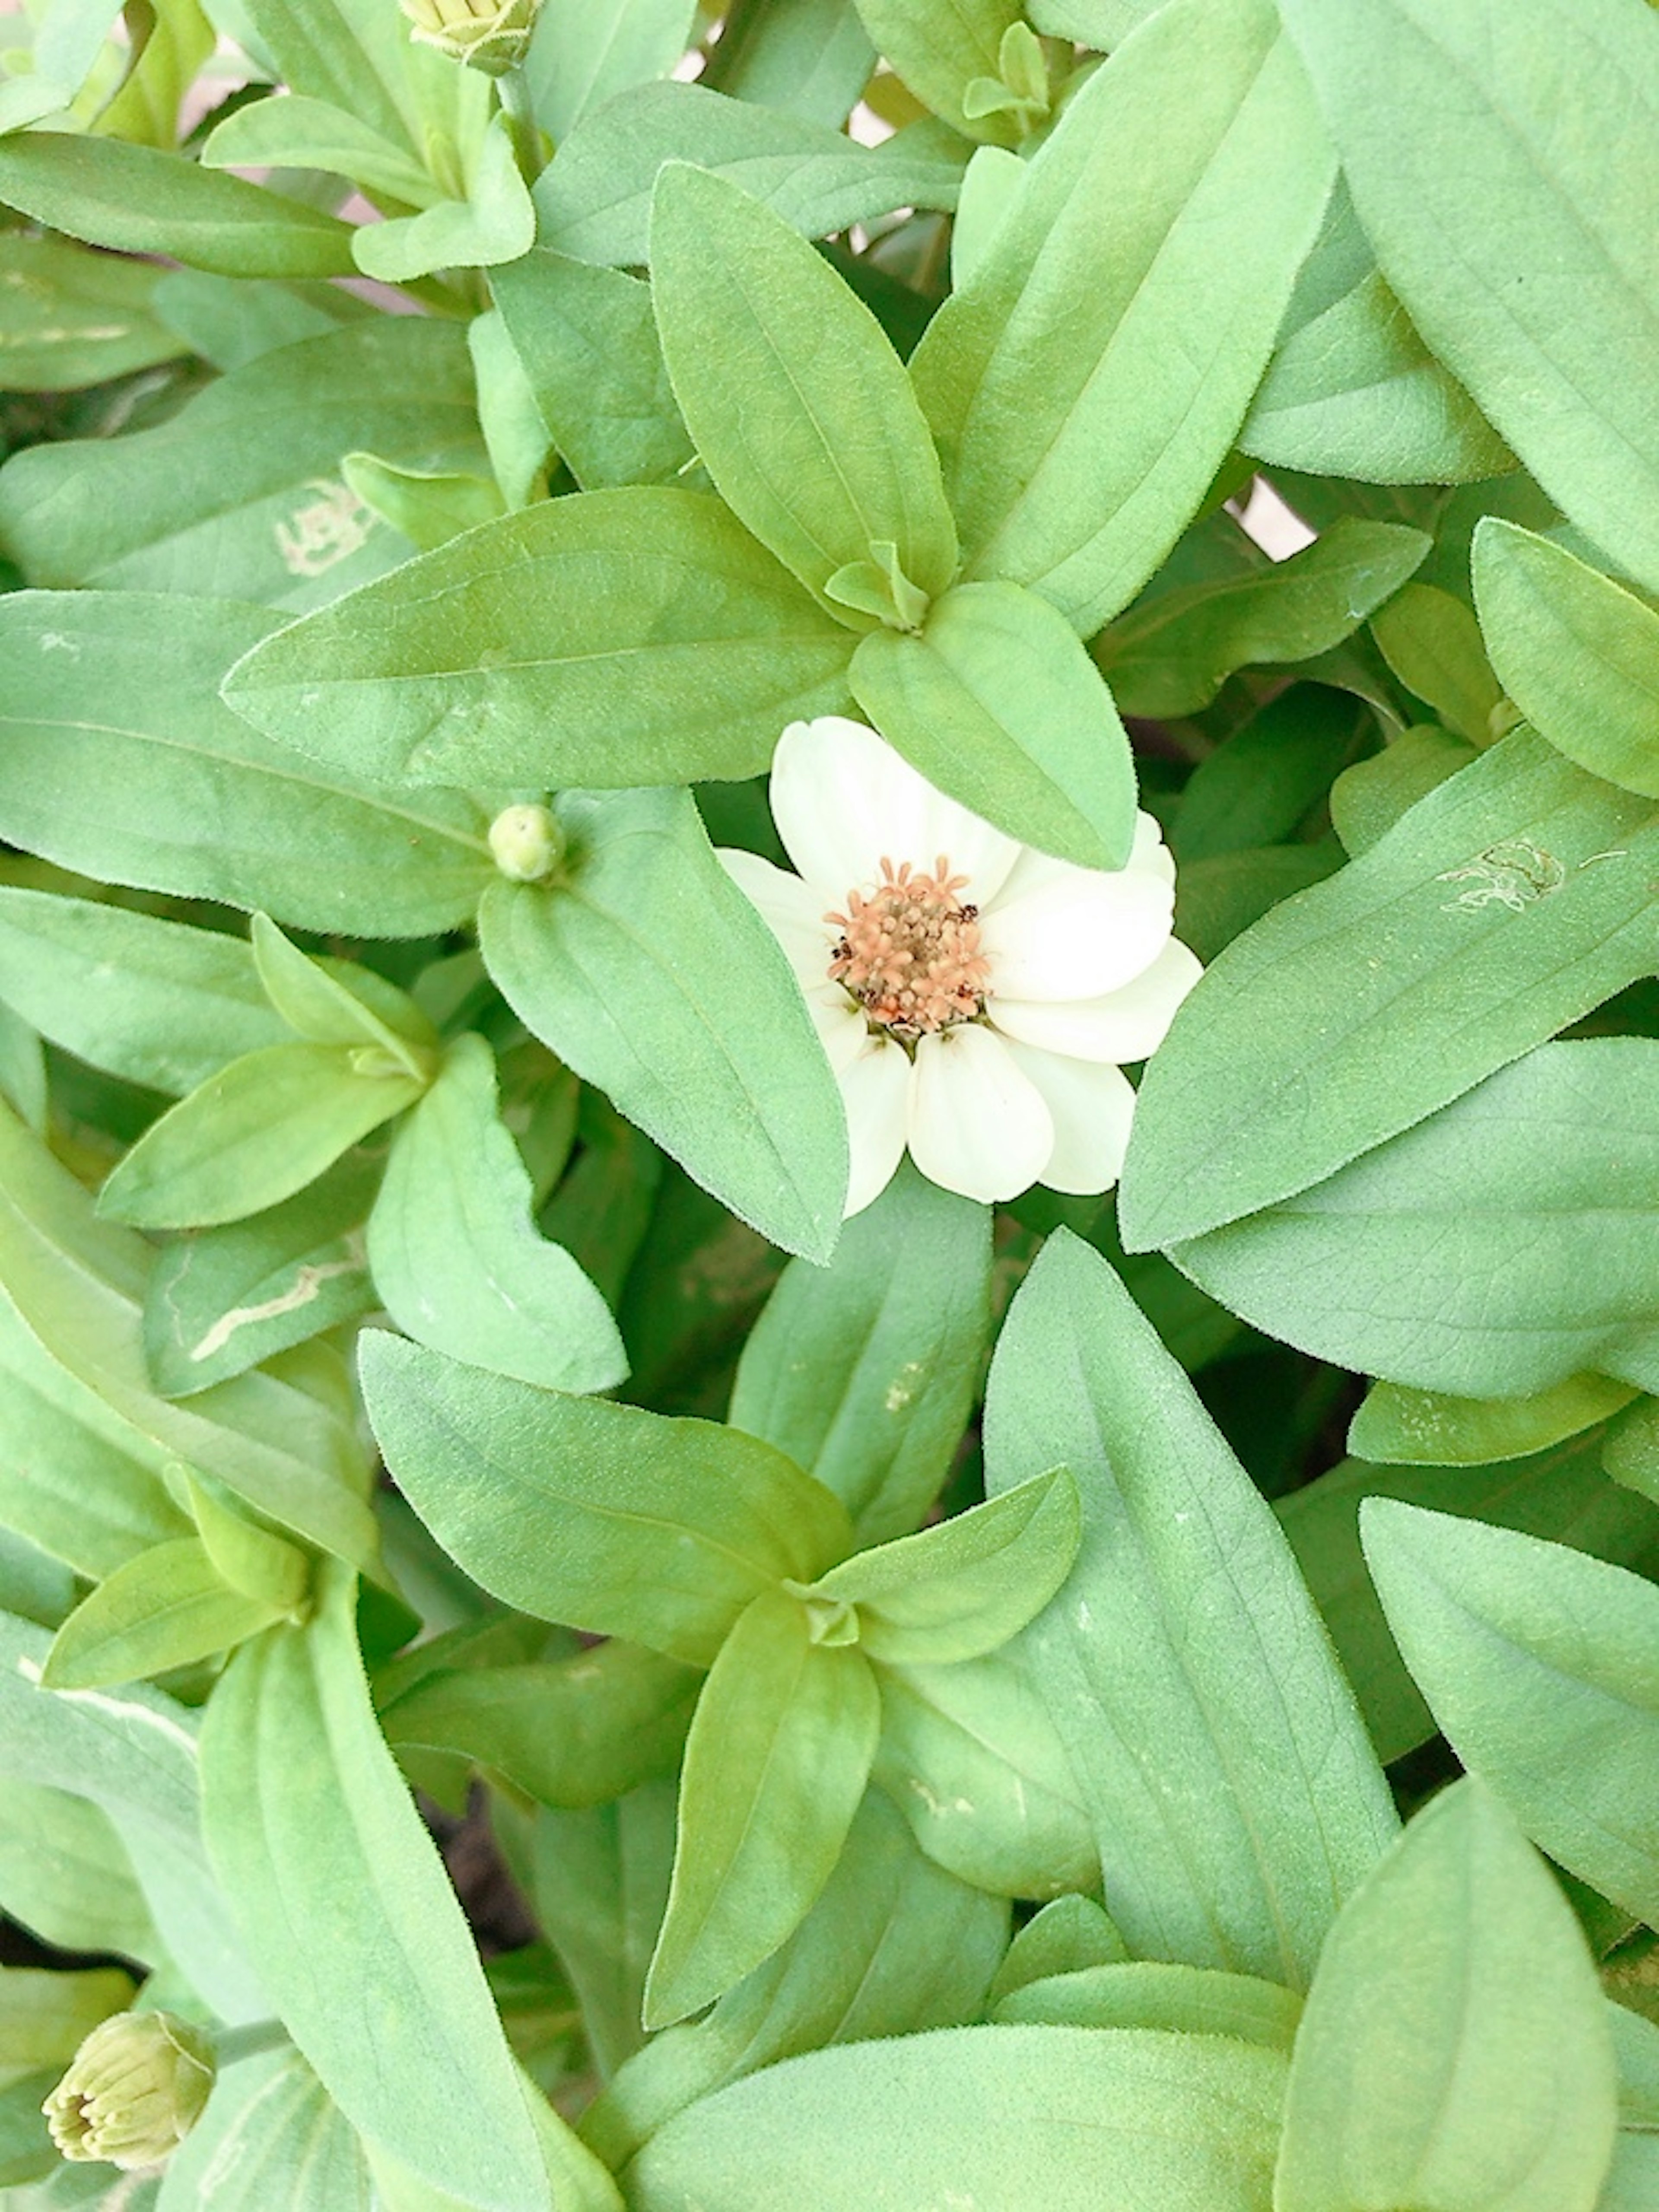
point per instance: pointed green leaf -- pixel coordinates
(1540, 1664)
(168, 1607)
(1577, 652)
(775, 1763)
(997, 703)
(271, 2140)
(1475, 1254)
(495, 223)
(341, 1004)
(1506, 904)
(1368, 798)
(584, 54)
(831, 453)
(644, 637)
(1191, 2000)
(1522, 251)
(429, 507)
(942, 50)
(117, 692)
(1061, 2117)
(865, 1371)
(1085, 385)
(76, 317)
(139, 200)
(588, 342)
(1401, 1426)
(457, 1260)
(1431, 641)
(608, 1518)
(601, 1882)
(155, 1001)
(1454, 2050)
(252, 1135)
(1173, 655)
(648, 972)
(808, 57)
(350, 1918)
(966, 1585)
(1236, 1800)
(294, 130)
(594, 200)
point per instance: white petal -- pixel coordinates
(843, 800)
(1121, 1026)
(1077, 935)
(977, 1125)
(1091, 1108)
(840, 1025)
(1150, 852)
(874, 1088)
(791, 910)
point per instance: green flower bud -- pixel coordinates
(493, 35)
(134, 2090)
(527, 843)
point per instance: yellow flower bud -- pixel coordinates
(527, 843)
(134, 2090)
(492, 35)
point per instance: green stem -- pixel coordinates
(521, 122)
(231, 2044)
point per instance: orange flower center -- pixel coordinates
(910, 953)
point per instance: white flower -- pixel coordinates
(977, 1000)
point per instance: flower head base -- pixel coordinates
(492, 35)
(977, 1000)
(910, 953)
(134, 2090)
(527, 843)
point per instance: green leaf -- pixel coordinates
(343, 1003)
(1475, 1254)
(429, 507)
(1172, 656)
(583, 55)
(1540, 1665)
(571, 1732)
(1489, 918)
(352, 1920)
(271, 2140)
(1262, 782)
(971, 1756)
(1368, 798)
(943, 51)
(1562, 1494)
(966, 1585)
(593, 201)
(832, 455)
(238, 494)
(457, 1260)
(588, 342)
(1066, 2117)
(252, 1135)
(153, 1001)
(117, 692)
(44, 2015)
(1353, 391)
(78, 1282)
(1431, 641)
(644, 638)
(1454, 2049)
(222, 1300)
(134, 1756)
(495, 223)
(775, 1763)
(229, 320)
(892, 1945)
(1062, 1937)
(297, 131)
(865, 1371)
(808, 57)
(1578, 654)
(1522, 251)
(613, 1520)
(1085, 385)
(139, 200)
(74, 317)
(1429, 1428)
(168, 1607)
(997, 703)
(646, 970)
(1236, 1800)
(601, 1882)
(1190, 2000)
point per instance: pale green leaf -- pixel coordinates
(74, 317)
(168, 1607)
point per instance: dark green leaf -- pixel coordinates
(1431, 641)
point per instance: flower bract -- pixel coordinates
(978, 999)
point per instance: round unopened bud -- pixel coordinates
(134, 2090)
(493, 35)
(528, 842)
